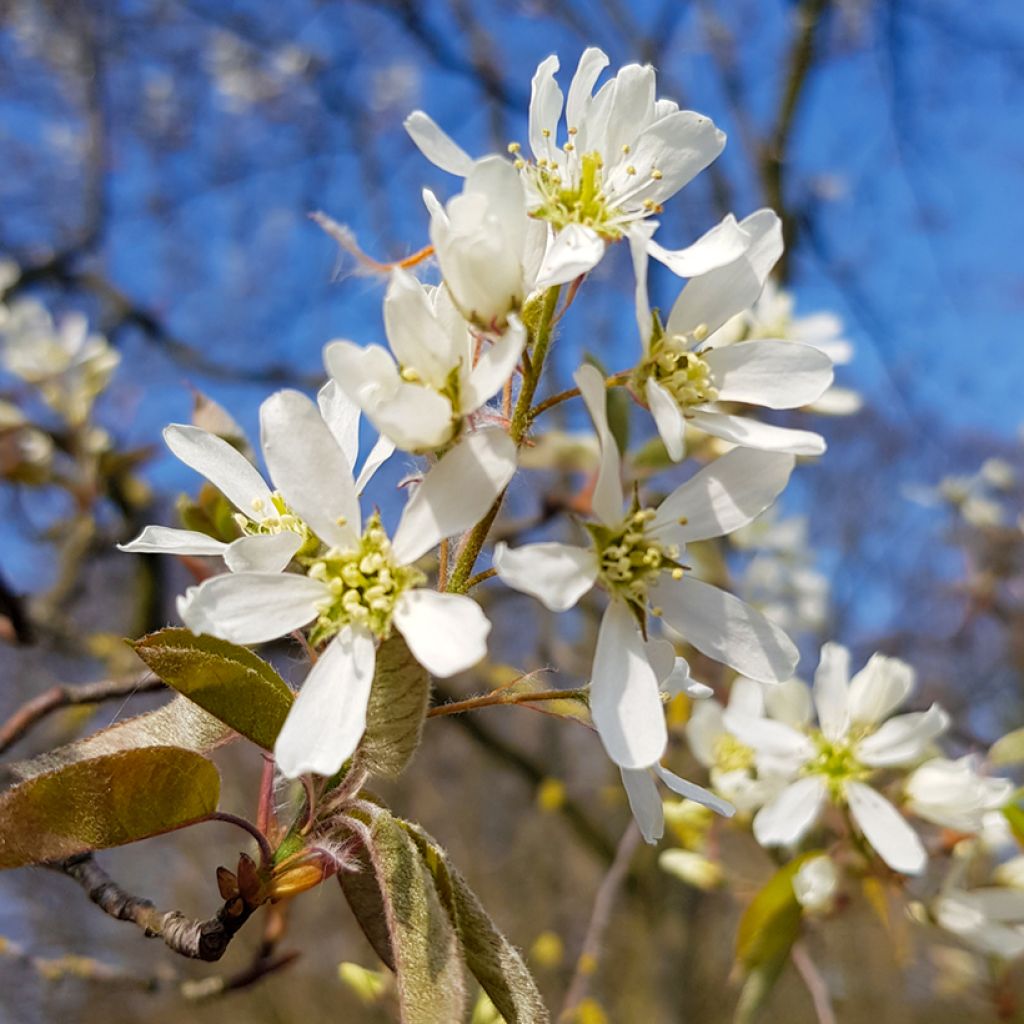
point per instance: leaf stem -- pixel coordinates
(266, 853)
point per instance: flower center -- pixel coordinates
(837, 761)
(278, 519)
(631, 558)
(364, 582)
(680, 370)
(731, 755)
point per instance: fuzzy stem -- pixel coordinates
(488, 700)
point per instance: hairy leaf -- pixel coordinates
(106, 801)
(177, 724)
(395, 713)
(228, 681)
(405, 922)
(767, 931)
(494, 961)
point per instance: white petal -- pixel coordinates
(418, 341)
(831, 690)
(727, 629)
(724, 243)
(632, 107)
(379, 454)
(886, 829)
(880, 687)
(753, 433)
(494, 367)
(645, 802)
(252, 607)
(775, 374)
(661, 654)
(545, 109)
(747, 696)
(786, 819)
(668, 418)
(789, 702)
(447, 633)
(225, 467)
(309, 468)
(607, 499)
(639, 236)
(168, 541)
(773, 739)
(575, 251)
(341, 414)
(725, 495)
(703, 730)
(624, 698)
(558, 575)
(904, 738)
(328, 718)
(692, 791)
(438, 147)
(713, 298)
(592, 62)
(262, 552)
(455, 493)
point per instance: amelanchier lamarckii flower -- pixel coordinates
(635, 556)
(271, 533)
(681, 379)
(835, 760)
(624, 154)
(955, 794)
(445, 370)
(355, 584)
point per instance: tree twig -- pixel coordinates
(488, 700)
(815, 983)
(600, 917)
(199, 940)
(57, 697)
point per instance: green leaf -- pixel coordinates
(179, 723)
(494, 961)
(106, 801)
(1008, 749)
(767, 931)
(397, 905)
(396, 711)
(228, 681)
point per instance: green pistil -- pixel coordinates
(581, 203)
(680, 370)
(631, 559)
(281, 519)
(837, 762)
(364, 584)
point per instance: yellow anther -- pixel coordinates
(631, 169)
(677, 574)
(573, 131)
(257, 504)
(656, 612)
(568, 147)
(656, 174)
(626, 149)
(682, 520)
(342, 520)
(514, 147)
(520, 164)
(546, 132)
(700, 332)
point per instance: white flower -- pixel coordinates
(69, 365)
(834, 761)
(955, 794)
(272, 534)
(680, 378)
(624, 154)
(989, 919)
(815, 884)
(635, 557)
(420, 401)
(645, 800)
(356, 585)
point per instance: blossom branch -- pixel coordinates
(488, 700)
(57, 697)
(816, 986)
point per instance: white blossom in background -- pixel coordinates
(623, 154)
(635, 557)
(355, 584)
(835, 760)
(420, 401)
(989, 919)
(955, 794)
(272, 534)
(69, 365)
(815, 884)
(772, 316)
(681, 377)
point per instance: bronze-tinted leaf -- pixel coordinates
(228, 681)
(494, 961)
(105, 801)
(395, 713)
(402, 915)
